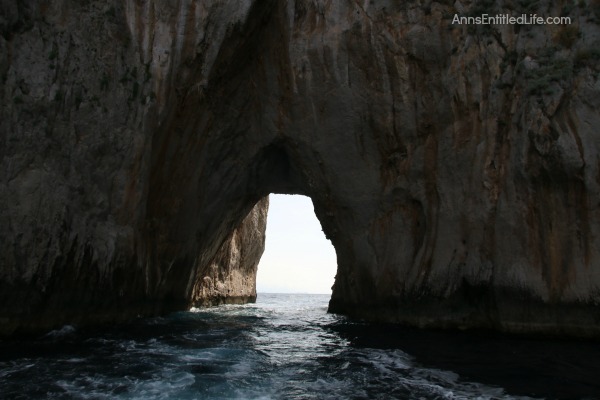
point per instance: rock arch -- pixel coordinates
(135, 156)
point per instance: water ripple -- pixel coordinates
(285, 346)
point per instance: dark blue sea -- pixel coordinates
(286, 346)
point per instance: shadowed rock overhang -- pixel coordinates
(454, 168)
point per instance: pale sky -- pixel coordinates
(297, 257)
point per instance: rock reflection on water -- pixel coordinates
(287, 346)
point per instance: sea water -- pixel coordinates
(286, 346)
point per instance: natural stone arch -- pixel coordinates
(439, 171)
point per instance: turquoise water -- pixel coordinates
(287, 346)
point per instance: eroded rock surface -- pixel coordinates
(231, 275)
(454, 168)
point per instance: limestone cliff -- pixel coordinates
(454, 168)
(231, 275)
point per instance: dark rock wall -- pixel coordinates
(454, 168)
(102, 203)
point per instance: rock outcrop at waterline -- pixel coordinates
(231, 275)
(454, 168)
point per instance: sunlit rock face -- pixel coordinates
(454, 168)
(231, 275)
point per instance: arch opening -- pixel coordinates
(297, 257)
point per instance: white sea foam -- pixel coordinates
(7, 369)
(281, 349)
(66, 330)
(166, 386)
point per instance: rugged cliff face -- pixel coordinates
(103, 207)
(231, 275)
(454, 168)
